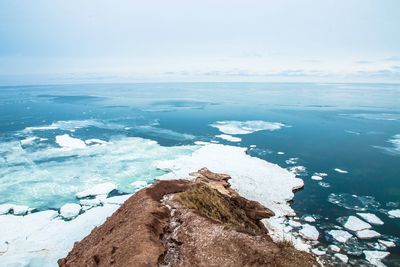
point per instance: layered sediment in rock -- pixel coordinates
(202, 222)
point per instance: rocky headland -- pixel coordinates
(200, 222)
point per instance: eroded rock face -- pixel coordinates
(186, 223)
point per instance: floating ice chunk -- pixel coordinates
(318, 252)
(139, 184)
(341, 171)
(324, 184)
(321, 174)
(367, 234)
(371, 218)
(298, 170)
(309, 219)
(334, 248)
(28, 140)
(291, 161)
(294, 224)
(287, 229)
(253, 146)
(316, 177)
(394, 213)
(280, 153)
(100, 189)
(20, 209)
(5, 208)
(67, 141)
(117, 200)
(309, 232)
(229, 138)
(375, 257)
(355, 224)
(340, 235)
(246, 127)
(95, 141)
(387, 243)
(201, 143)
(343, 258)
(354, 202)
(70, 210)
(90, 202)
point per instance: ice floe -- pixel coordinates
(318, 252)
(246, 127)
(95, 141)
(118, 200)
(375, 257)
(367, 234)
(309, 219)
(139, 184)
(15, 209)
(280, 153)
(99, 189)
(67, 141)
(72, 125)
(343, 258)
(29, 140)
(298, 170)
(387, 243)
(324, 184)
(355, 224)
(340, 170)
(334, 248)
(316, 177)
(354, 202)
(292, 161)
(371, 218)
(340, 235)
(294, 224)
(394, 213)
(309, 232)
(229, 138)
(70, 210)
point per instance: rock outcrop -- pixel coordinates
(186, 223)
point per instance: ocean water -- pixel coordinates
(353, 127)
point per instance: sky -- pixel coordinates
(53, 41)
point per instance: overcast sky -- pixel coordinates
(209, 40)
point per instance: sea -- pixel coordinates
(342, 139)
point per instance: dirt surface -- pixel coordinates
(186, 223)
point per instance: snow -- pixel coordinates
(340, 235)
(70, 210)
(341, 171)
(371, 218)
(394, 213)
(387, 243)
(367, 234)
(139, 184)
(355, 224)
(343, 258)
(375, 257)
(309, 219)
(69, 142)
(316, 177)
(229, 138)
(309, 232)
(42, 238)
(100, 189)
(246, 127)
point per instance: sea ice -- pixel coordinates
(394, 213)
(318, 252)
(354, 202)
(95, 141)
(316, 177)
(387, 243)
(298, 170)
(67, 141)
(334, 248)
(375, 257)
(291, 161)
(20, 209)
(117, 200)
(309, 232)
(343, 258)
(367, 234)
(321, 174)
(5, 208)
(229, 138)
(280, 153)
(371, 218)
(28, 140)
(246, 127)
(340, 235)
(324, 184)
(309, 219)
(341, 171)
(99, 189)
(70, 210)
(294, 224)
(355, 224)
(139, 184)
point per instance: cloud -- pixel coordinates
(364, 62)
(394, 58)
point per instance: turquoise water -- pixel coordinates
(346, 126)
